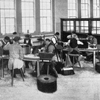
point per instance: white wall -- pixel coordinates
(60, 12)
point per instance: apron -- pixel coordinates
(15, 63)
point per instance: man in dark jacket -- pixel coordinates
(49, 48)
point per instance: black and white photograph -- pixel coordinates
(49, 49)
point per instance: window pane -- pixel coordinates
(45, 15)
(10, 21)
(72, 9)
(2, 22)
(96, 8)
(96, 27)
(2, 4)
(85, 8)
(3, 31)
(7, 11)
(84, 26)
(28, 16)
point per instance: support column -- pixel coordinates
(37, 17)
(18, 17)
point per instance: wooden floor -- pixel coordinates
(83, 85)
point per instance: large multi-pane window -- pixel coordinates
(96, 8)
(85, 8)
(46, 15)
(85, 13)
(28, 16)
(7, 16)
(72, 9)
(76, 8)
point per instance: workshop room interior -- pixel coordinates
(49, 49)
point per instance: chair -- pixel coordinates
(2, 57)
(73, 54)
(12, 75)
(47, 57)
(74, 59)
(13, 71)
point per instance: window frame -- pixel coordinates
(5, 17)
(18, 19)
(46, 17)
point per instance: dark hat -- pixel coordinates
(14, 33)
(17, 38)
(47, 39)
(57, 33)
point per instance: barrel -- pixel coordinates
(47, 83)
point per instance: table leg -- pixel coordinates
(12, 74)
(38, 70)
(94, 52)
(2, 69)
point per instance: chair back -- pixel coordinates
(74, 56)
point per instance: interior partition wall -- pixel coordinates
(81, 26)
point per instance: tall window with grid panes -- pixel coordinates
(7, 16)
(28, 16)
(84, 9)
(46, 15)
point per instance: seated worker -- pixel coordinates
(27, 40)
(92, 43)
(35, 51)
(49, 48)
(73, 35)
(73, 49)
(15, 54)
(28, 43)
(14, 34)
(67, 44)
(55, 38)
(41, 42)
(58, 44)
(4, 42)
